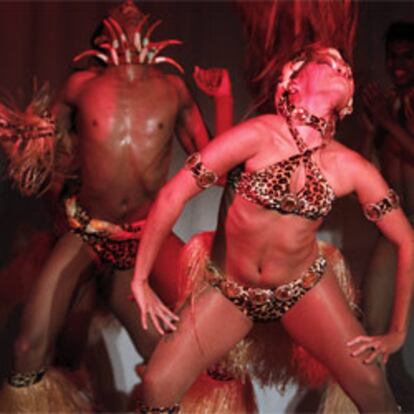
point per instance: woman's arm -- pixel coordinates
(165, 211)
(190, 127)
(222, 154)
(374, 196)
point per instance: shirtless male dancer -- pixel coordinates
(389, 119)
(122, 116)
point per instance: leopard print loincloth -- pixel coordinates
(114, 244)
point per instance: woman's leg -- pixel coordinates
(323, 323)
(208, 329)
(49, 302)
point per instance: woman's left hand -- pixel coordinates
(378, 348)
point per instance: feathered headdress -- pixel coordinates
(124, 39)
(34, 144)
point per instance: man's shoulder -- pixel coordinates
(74, 84)
(81, 76)
(175, 80)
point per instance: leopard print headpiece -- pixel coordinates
(330, 56)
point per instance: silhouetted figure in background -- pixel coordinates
(389, 121)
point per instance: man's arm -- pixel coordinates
(190, 127)
(63, 111)
(215, 82)
(64, 103)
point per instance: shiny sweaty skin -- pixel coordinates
(261, 248)
(279, 256)
(122, 120)
(258, 247)
(125, 120)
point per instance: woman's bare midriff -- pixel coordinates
(262, 247)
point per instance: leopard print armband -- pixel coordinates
(205, 178)
(375, 211)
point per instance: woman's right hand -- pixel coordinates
(378, 347)
(151, 306)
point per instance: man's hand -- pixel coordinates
(213, 82)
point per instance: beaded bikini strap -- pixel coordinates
(145, 409)
(302, 116)
(302, 147)
(296, 137)
(375, 211)
(204, 177)
(25, 379)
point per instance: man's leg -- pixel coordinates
(164, 279)
(49, 302)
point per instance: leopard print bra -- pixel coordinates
(270, 186)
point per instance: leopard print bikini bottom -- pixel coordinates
(267, 305)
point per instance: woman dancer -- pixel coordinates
(285, 173)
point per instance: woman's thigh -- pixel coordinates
(323, 323)
(208, 328)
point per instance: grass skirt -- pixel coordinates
(210, 396)
(55, 393)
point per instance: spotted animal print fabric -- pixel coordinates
(115, 244)
(270, 187)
